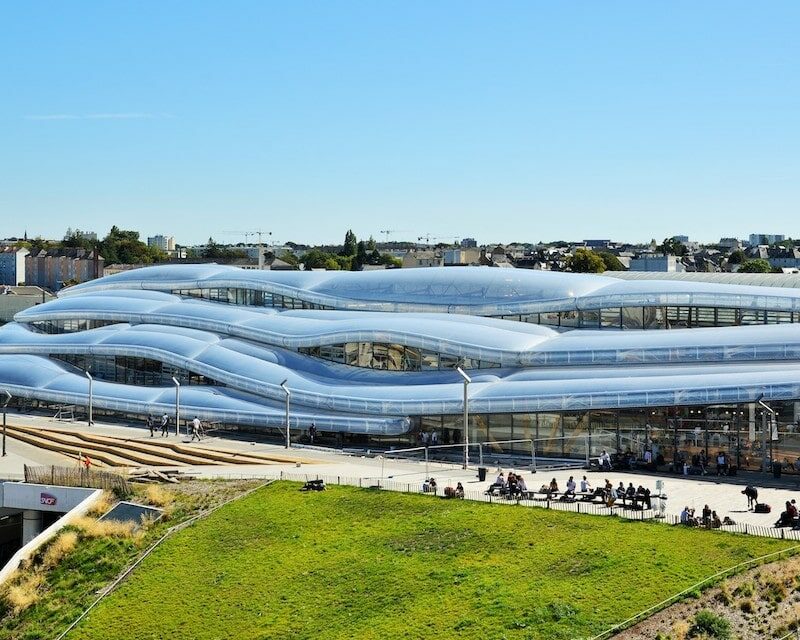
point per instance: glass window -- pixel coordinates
(610, 318)
(569, 318)
(705, 317)
(749, 316)
(550, 318)
(590, 319)
(634, 317)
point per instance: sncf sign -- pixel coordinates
(47, 498)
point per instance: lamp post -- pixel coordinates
(467, 380)
(177, 406)
(91, 380)
(764, 437)
(5, 404)
(288, 396)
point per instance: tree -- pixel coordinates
(361, 254)
(585, 261)
(736, 257)
(371, 244)
(611, 261)
(758, 265)
(673, 247)
(350, 244)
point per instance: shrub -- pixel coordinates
(724, 596)
(60, 547)
(774, 591)
(91, 528)
(102, 505)
(744, 590)
(158, 496)
(24, 593)
(709, 624)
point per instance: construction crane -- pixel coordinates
(260, 234)
(428, 237)
(386, 232)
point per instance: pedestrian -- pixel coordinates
(151, 424)
(196, 428)
(312, 432)
(164, 424)
(752, 496)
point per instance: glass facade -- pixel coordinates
(68, 326)
(131, 370)
(656, 318)
(392, 357)
(671, 434)
(248, 298)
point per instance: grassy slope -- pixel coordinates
(352, 563)
(74, 583)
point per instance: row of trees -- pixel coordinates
(588, 261)
(353, 256)
(119, 246)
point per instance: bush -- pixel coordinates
(59, 548)
(102, 505)
(158, 496)
(709, 624)
(24, 593)
(91, 528)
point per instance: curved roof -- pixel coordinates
(251, 350)
(472, 290)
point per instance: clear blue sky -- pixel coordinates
(499, 120)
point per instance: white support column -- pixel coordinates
(751, 421)
(31, 525)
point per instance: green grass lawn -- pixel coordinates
(355, 563)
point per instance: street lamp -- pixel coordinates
(467, 380)
(89, 376)
(764, 438)
(5, 404)
(178, 407)
(288, 396)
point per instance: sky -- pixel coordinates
(499, 120)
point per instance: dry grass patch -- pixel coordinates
(24, 592)
(60, 547)
(159, 496)
(102, 505)
(91, 528)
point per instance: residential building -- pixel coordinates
(55, 268)
(468, 243)
(652, 262)
(765, 238)
(12, 265)
(165, 243)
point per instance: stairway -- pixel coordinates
(131, 452)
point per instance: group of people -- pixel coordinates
(430, 486)
(514, 484)
(701, 464)
(153, 424)
(708, 518)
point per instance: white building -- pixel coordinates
(165, 243)
(12, 265)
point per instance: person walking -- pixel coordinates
(312, 432)
(151, 424)
(164, 424)
(196, 429)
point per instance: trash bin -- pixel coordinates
(482, 473)
(776, 469)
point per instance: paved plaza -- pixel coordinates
(722, 495)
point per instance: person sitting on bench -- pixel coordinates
(585, 486)
(498, 484)
(605, 461)
(552, 488)
(571, 486)
(522, 488)
(460, 491)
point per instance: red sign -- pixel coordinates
(48, 499)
